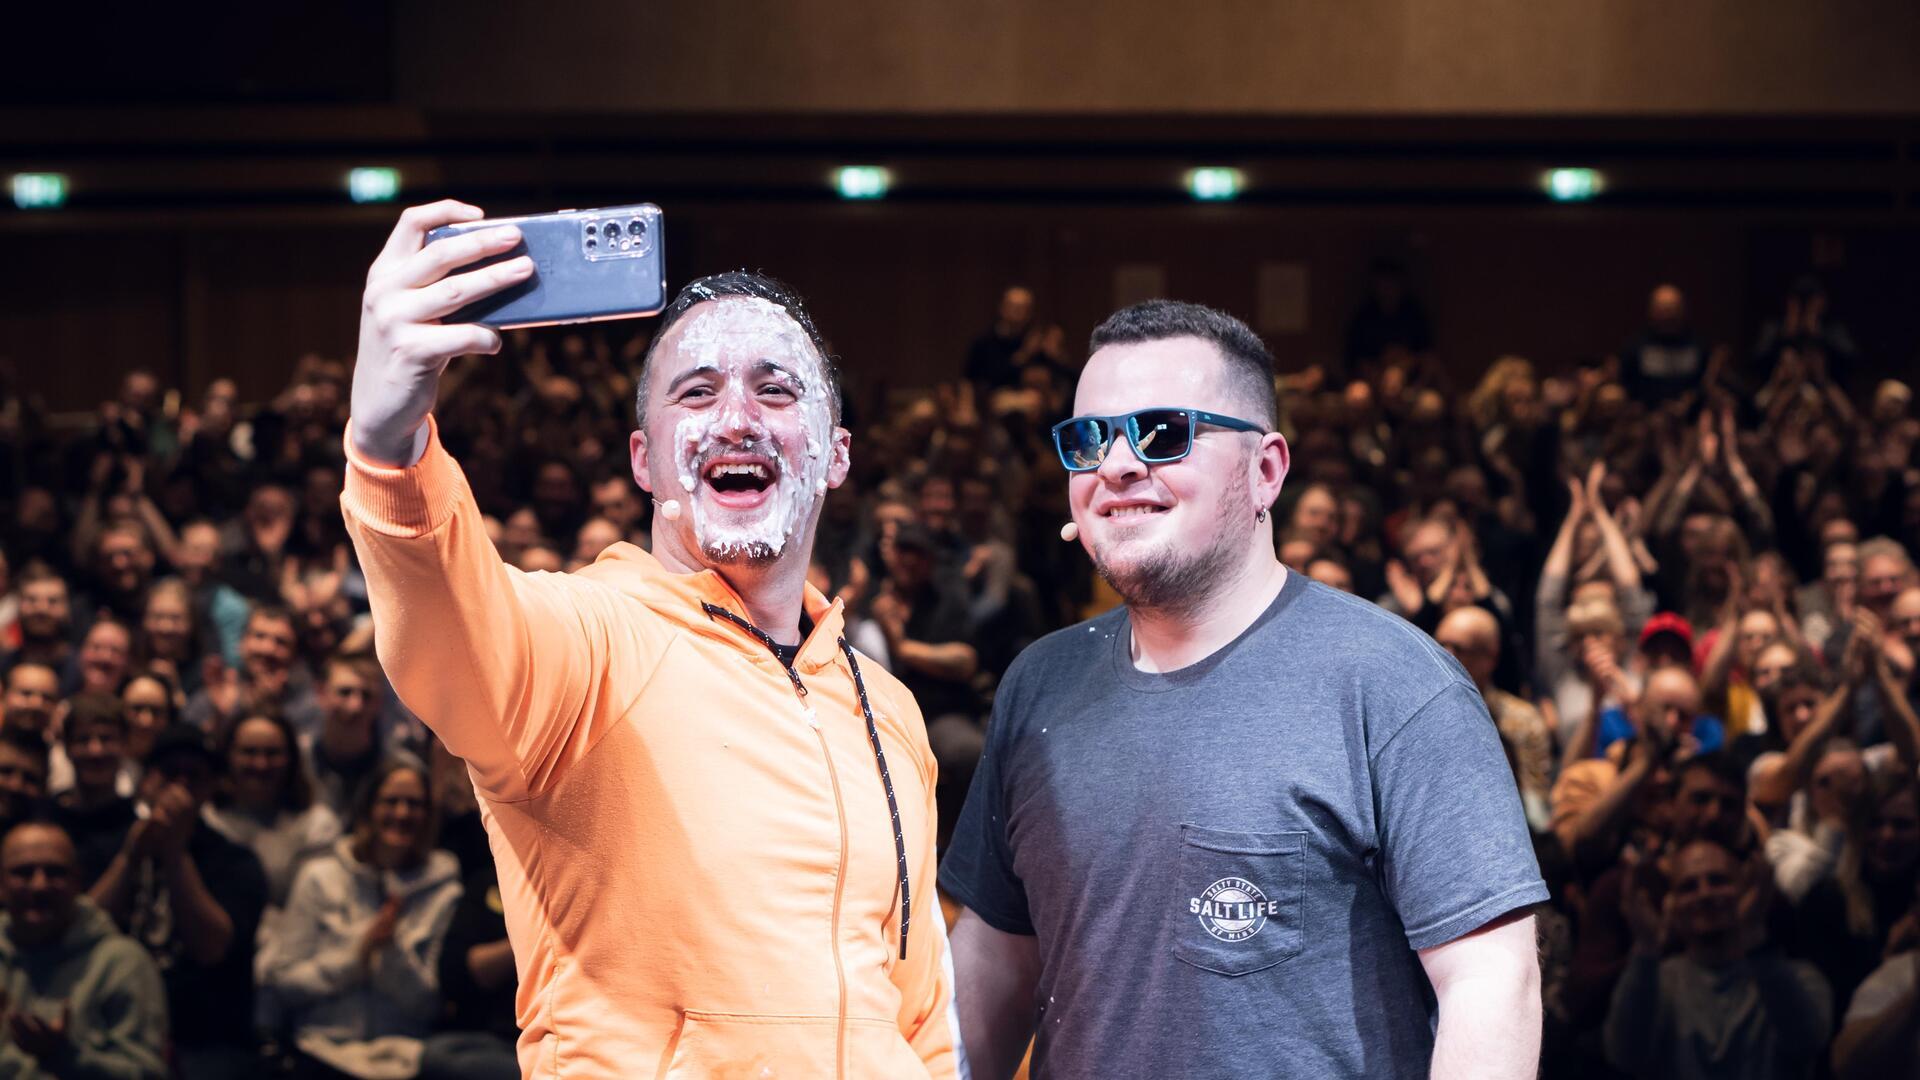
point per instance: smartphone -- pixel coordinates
(588, 266)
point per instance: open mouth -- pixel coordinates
(739, 484)
(1131, 511)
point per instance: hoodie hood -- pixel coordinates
(681, 598)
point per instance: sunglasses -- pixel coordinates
(1157, 435)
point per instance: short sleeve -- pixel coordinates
(978, 867)
(1455, 853)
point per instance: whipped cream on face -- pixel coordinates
(735, 336)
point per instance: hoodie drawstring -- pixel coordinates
(873, 736)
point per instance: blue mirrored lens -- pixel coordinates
(1082, 443)
(1162, 434)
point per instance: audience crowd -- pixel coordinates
(1680, 574)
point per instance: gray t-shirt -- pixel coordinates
(1229, 866)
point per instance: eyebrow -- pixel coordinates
(692, 373)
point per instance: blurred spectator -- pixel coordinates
(924, 619)
(106, 654)
(91, 807)
(1666, 360)
(1472, 635)
(358, 954)
(990, 359)
(153, 705)
(268, 677)
(46, 621)
(264, 801)
(83, 999)
(1807, 341)
(1724, 1004)
(23, 775)
(32, 697)
(194, 899)
(345, 750)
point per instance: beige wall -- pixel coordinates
(1289, 57)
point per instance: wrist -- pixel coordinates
(395, 445)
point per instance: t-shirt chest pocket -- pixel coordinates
(1241, 899)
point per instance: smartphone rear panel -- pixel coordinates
(588, 265)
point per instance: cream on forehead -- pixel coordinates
(739, 330)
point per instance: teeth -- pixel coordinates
(1129, 511)
(758, 472)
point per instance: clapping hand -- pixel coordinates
(41, 1039)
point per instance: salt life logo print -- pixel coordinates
(1233, 909)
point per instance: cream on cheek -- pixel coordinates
(735, 338)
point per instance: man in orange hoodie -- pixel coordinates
(713, 821)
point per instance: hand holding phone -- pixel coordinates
(404, 346)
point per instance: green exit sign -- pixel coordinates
(38, 190)
(862, 181)
(373, 184)
(1573, 185)
(1215, 183)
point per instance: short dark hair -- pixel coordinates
(1718, 764)
(746, 283)
(1249, 364)
(30, 743)
(271, 613)
(94, 709)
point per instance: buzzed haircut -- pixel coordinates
(1249, 364)
(744, 283)
(271, 613)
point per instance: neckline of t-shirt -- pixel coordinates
(1160, 681)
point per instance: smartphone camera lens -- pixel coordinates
(613, 230)
(637, 227)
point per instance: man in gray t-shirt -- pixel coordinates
(1248, 825)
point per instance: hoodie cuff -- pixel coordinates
(403, 502)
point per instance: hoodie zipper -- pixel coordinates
(840, 816)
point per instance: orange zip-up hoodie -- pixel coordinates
(697, 861)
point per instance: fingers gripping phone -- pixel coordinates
(588, 265)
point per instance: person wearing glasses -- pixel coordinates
(1245, 825)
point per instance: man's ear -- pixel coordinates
(841, 462)
(1270, 464)
(637, 456)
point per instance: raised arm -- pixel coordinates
(507, 668)
(1621, 566)
(1775, 780)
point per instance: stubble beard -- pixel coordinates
(1176, 579)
